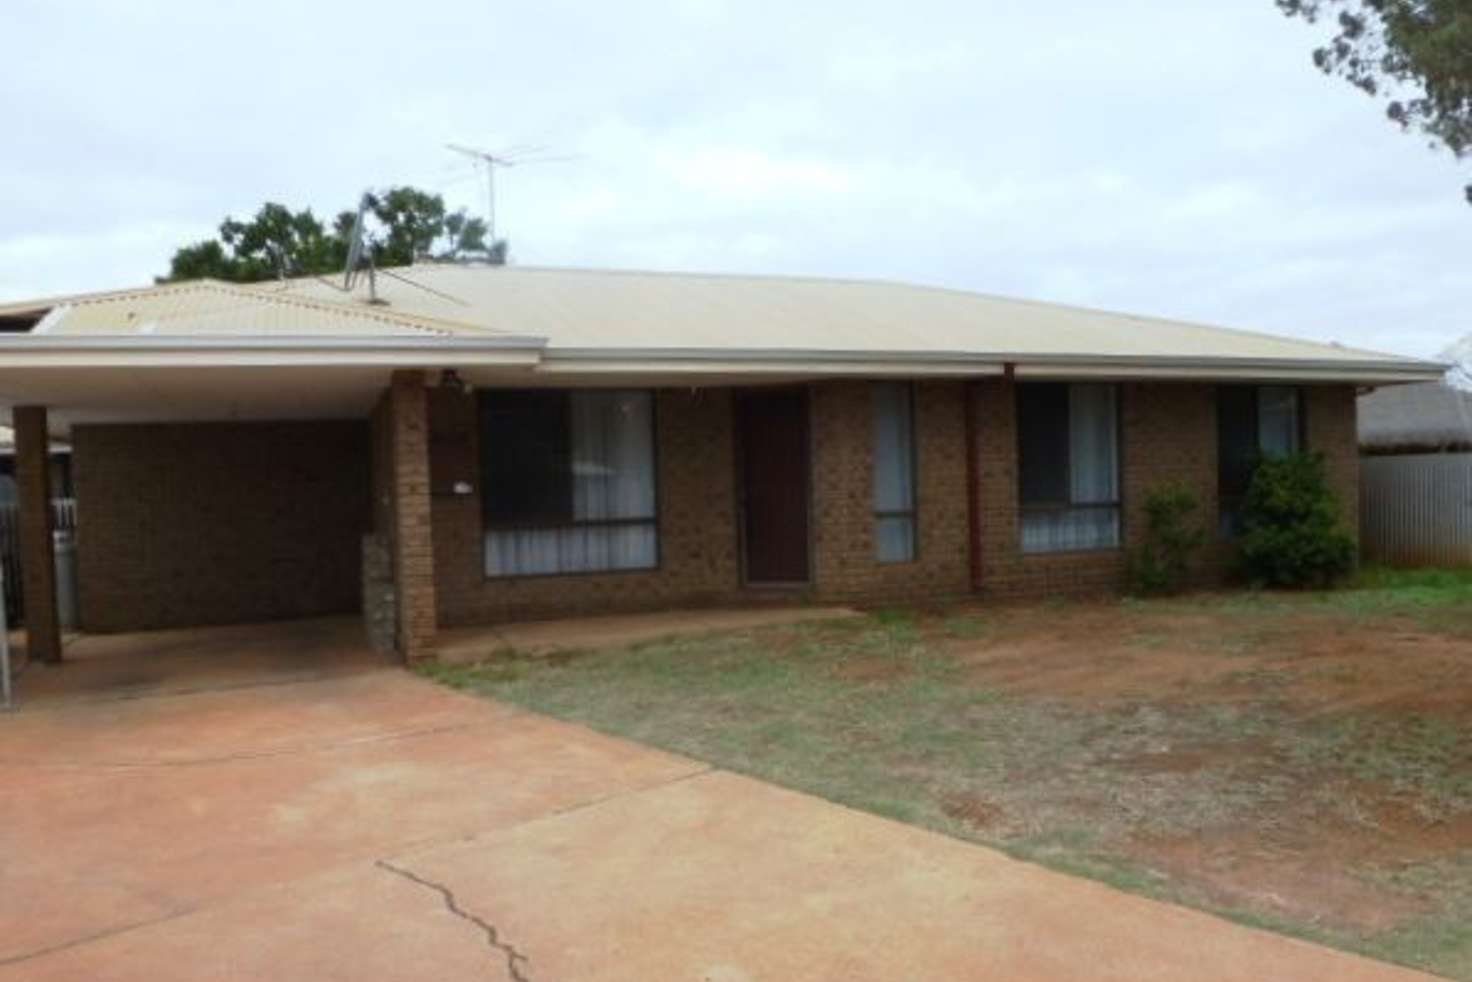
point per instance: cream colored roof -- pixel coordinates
(626, 312)
(659, 327)
(209, 308)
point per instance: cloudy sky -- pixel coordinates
(1175, 158)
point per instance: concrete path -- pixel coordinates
(367, 824)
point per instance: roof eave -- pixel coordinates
(161, 351)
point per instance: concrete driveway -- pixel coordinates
(355, 822)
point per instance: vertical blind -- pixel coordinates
(603, 470)
(894, 472)
(1069, 462)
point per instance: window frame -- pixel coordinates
(1058, 507)
(1226, 517)
(913, 512)
(653, 519)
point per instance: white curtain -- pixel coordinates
(894, 473)
(612, 481)
(1093, 479)
(1093, 447)
(1277, 420)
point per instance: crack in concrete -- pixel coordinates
(514, 959)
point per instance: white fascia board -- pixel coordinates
(1349, 372)
(156, 351)
(794, 367)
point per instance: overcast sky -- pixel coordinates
(1174, 158)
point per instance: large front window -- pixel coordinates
(1068, 450)
(568, 481)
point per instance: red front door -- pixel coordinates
(772, 448)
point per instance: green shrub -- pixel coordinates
(1173, 535)
(1294, 536)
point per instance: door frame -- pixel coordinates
(738, 396)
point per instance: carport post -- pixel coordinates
(401, 434)
(37, 560)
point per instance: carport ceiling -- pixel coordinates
(173, 394)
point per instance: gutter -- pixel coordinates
(106, 351)
(963, 363)
(532, 352)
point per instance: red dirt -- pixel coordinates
(1305, 860)
(1318, 664)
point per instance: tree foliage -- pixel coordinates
(1416, 54)
(1295, 536)
(407, 224)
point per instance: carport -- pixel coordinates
(237, 457)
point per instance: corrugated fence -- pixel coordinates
(1416, 509)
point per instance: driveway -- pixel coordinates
(358, 822)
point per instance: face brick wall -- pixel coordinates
(181, 525)
(697, 521)
(843, 497)
(1168, 434)
(1333, 430)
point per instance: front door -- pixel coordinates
(772, 448)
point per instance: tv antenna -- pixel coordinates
(358, 250)
(510, 157)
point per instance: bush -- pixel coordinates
(1294, 536)
(1173, 535)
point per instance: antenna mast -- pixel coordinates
(505, 158)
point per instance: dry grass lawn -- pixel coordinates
(1302, 762)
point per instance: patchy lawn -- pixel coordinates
(1302, 762)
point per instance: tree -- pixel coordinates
(1416, 54)
(407, 225)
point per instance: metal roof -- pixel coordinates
(573, 322)
(603, 315)
(1431, 414)
(213, 309)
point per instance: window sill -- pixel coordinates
(1081, 551)
(518, 577)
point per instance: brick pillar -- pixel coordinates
(401, 509)
(37, 561)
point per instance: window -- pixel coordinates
(1253, 421)
(894, 472)
(568, 481)
(1068, 450)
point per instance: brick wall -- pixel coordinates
(1333, 430)
(697, 521)
(218, 523)
(401, 482)
(843, 497)
(215, 523)
(1168, 433)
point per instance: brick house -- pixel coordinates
(455, 445)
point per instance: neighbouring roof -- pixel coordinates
(1431, 415)
(308, 346)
